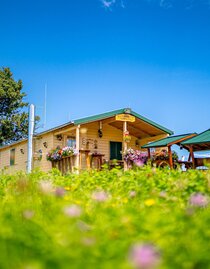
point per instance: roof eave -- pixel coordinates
(165, 130)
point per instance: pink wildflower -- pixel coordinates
(46, 186)
(88, 241)
(199, 200)
(28, 214)
(100, 196)
(163, 194)
(144, 256)
(59, 192)
(72, 211)
(132, 194)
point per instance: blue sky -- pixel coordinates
(97, 56)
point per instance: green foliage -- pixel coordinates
(13, 120)
(92, 220)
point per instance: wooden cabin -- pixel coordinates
(99, 138)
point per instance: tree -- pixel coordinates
(13, 118)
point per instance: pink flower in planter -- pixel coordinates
(100, 196)
(199, 200)
(72, 211)
(144, 256)
(138, 163)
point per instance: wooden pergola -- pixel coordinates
(201, 142)
(169, 142)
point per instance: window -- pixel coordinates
(71, 141)
(12, 156)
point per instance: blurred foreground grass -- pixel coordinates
(142, 218)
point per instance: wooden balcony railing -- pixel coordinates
(65, 165)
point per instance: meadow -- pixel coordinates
(142, 218)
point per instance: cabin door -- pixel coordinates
(115, 150)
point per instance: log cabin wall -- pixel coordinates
(46, 142)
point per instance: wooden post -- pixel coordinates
(88, 160)
(77, 149)
(170, 157)
(149, 155)
(192, 156)
(125, 145)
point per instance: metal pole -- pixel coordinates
(30, 137)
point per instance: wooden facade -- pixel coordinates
(92, 136)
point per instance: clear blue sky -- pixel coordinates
(150, 55)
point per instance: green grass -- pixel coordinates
(100, 216)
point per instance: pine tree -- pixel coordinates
(13, 118)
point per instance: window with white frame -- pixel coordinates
(71, 141)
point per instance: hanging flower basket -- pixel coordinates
(127, 137)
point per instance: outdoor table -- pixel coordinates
(98, 158)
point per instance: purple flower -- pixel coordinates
(72, 211)
(138, 163)
(144, 256)
(100, 196)
(59, 192)
(199, 200)
(137, 157)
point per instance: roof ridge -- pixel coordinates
(93, 115)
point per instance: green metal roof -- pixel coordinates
(201, 138)
(165, 141)
(121, 111)
(101, 117)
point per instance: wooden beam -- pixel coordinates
(192, 156)
(189, 157)
(139, 128)
(146, 125)
(77, 148)
(109, 120)
(181, 139)
(113, 124)
(170, 157)
(125, 145)
(65, 130)
(149, 154)
(144, 141)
